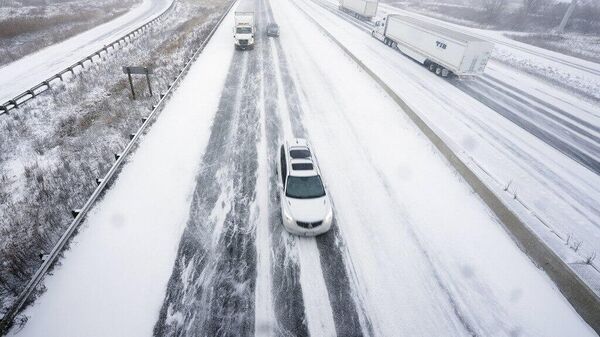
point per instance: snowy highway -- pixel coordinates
(537, 141)
(569, 125)
(24, 73)
(189, 241)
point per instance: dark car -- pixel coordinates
(272, 30)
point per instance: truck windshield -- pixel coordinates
(304, 187)
(243, 30)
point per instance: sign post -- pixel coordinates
(141, 71)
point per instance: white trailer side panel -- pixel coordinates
(244, 18)
(362, 7)
(460, 53)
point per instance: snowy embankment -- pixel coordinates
(18, 76)
(553, 192)
(112, 280)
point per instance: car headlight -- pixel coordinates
(287, 215)
(329, 216)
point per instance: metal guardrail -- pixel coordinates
(44, 85)
(103, 183)
(581, 296)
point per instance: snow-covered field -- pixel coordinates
(412, 251)
(18, 76)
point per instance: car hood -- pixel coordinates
(308, 210)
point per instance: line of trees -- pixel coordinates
(548, 13)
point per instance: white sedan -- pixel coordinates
(305, 206)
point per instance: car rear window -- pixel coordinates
(299, 153)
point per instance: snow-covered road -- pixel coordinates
(581, 75)
(505, 123)
(412, 250)
(20, 75)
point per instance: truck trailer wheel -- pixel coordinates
(432, 67)
(438, 71)
(445, 72)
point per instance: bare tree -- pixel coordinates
(533, 6)
(493, 8)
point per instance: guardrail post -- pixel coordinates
(14, 103)
(99, 181)
(75, 212)
(131, 136)
(117, 156)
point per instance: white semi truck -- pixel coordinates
(362, 9)
(244, 29)
(442, 50)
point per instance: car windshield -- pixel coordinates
(244, 30)
(304, 187)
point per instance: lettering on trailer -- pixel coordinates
(440, 44)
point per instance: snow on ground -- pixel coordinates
(560, 192)
(419, 254)
(20, 75)
(112, 280)
(429, 257)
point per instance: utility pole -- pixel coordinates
(565, 18)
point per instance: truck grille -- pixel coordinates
(309, 224)
(243, 42)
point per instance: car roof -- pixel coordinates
(301, 167)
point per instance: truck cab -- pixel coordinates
(244, 29)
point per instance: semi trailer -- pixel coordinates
(442, 50)
(362, 9)
(244, 29)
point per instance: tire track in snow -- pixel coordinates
(461, 314)
(211, 290)
(288, 302)
(345, 309)
(557, 133)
